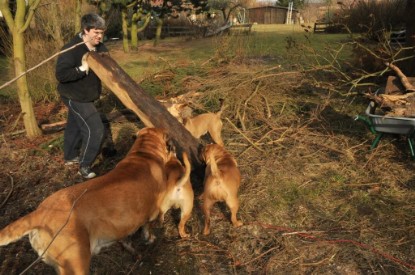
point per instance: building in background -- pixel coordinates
(272, 15)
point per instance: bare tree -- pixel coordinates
(17, 26)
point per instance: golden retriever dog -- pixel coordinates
(179, 192)
(74, 223)
(221, 183)
(206, 123)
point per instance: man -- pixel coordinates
(79, 88)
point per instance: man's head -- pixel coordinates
(93, 27)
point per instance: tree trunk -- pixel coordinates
(29, 119)
(17, 27)
(134, 33)
(55, 24)
(78, 15)
(124, 19)
(149, 110)
(158, 30)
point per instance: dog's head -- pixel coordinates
(152, 141)
(156, 132)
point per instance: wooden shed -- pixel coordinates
(271, 15)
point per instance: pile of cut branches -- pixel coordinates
(398, 98)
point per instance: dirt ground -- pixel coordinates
(314, 198)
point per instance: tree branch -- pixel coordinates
(32, 8)
(38, 65)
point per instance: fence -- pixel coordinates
(328, 28)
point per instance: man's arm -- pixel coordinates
(67, 69)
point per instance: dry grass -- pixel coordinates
(314, 199)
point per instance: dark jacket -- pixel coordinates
(73, 83)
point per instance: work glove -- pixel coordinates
(84, 67)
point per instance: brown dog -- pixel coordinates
(79, 220)
(179, 192)
(206, 123)
(222, 181)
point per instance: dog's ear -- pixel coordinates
(202, 153)
(143, 131)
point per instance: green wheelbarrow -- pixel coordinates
(380, 125)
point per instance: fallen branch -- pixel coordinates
(9, 194)
(53, 127)
(38, 65)
(250, 141)
(404, 80)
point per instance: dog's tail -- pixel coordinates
(188, 168)
(19, 228)
(222, 107)
(213, 166)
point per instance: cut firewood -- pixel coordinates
(396, 105)
(393, 101)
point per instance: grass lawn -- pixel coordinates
(275, 43)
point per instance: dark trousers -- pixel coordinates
(84, 132)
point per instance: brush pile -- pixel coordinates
(398, 98)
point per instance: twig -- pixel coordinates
(269, 114)
(10, 192)
(260, 256)
(253, 144)
(55, 236)
(249, 98)
(38, 65)
(319, 262)
(19, 132)
(238, 114)
(16, 121)
(301, 233)
(263, 137)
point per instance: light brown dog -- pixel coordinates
(79, 220)
(178, 110)
(179, 192)
(222, 181)
(206, 123)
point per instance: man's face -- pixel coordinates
(94, 36)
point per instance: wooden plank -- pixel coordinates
(148, 109)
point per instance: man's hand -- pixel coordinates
(84, 67)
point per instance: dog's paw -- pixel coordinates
(150, 239)
(206, 231)
(184, 235)
(238, 224)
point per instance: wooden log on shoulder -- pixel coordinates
(148, 109)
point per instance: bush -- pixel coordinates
(374, 17)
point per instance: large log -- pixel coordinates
(148, 109)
